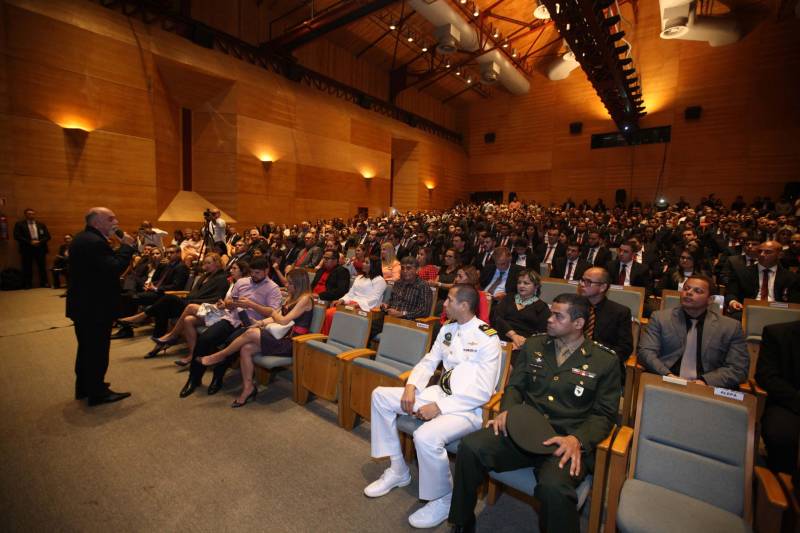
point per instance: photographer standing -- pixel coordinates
(215, 226)
(93, 300)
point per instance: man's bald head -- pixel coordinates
(102, 219)
(768, 253)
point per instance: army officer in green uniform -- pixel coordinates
(564, 379)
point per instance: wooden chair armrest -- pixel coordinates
(758, 391)
(622, 442)
(179, 294)
(355, 354)
(492, 406)
(631, 362)
(605, 444)
(309, 337)
(404, 376)
(768, 484)
(427, 319)
(746, 387)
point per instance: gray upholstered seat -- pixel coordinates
(524, 481)
(317, 318)
(691, 452)
(630, 298)
(347, 333)
(271, 361)
(648, 508)
(399, 350)
(755, 317)
(551, 288)
(329, 347)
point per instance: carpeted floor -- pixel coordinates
(155, 462)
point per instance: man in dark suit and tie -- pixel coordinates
(736, 265)
(625, 271)
(485, 257)
(547, 251)
(93, 300)
(694, 342)
(500, 278)
(611, 323)
(32, 236)
(778, 373)
(571, 267)
(594, 252)
(767, 280)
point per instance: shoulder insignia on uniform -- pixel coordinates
(489, 330)
(537, 335)
(606, 348)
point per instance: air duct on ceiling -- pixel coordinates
(440, 14)
(447, 38)
(561, 68)
(679, 20)
(490, 72)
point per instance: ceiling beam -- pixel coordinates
(333, 18)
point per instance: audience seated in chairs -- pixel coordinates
(411, 297)
(446, 278)
(208, 288)
(201, 315)
(390, 266)
(332, 280)
(366, 292)
(270, 336)
(581, 416)
(570, 267)
(519, 316)
(468, 275)
(251, 299)
(61, 262)
(355, 264)
(690, 261)
(426, 271)
(694, 342)
(469, 352)
(778, 373)
(500, 278)
(172, 277)
(609, 322)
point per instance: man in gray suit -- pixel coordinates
(694, 342)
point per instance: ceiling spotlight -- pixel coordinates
(505, 44)
(513, 52)
(447, 65)
(458, 73)
(392, 26)
(469, 80)
(410, 38)
(475, 12)
(424, 47)
(496, 33)
(626, 127)
(463, 1)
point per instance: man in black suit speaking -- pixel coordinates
(93, 300)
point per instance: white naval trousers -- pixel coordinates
(430, 438)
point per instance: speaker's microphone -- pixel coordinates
(119, 233)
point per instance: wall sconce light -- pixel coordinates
(430, 186)
(266, 161)
(76, 135)
(367, 174)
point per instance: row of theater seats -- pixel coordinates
(711, 439)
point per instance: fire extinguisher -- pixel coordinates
(3, 228)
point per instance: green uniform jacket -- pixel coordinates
(579, 398)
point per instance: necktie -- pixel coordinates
(764, 294)
(591, 256)
(569, 271)
(621, 279)
(689, 360)
(497, 282)
(562, 356)
(547, 257)
(590, 325)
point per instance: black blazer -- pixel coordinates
(23, 236)
(778, 367)
(612, 328)
(479, 263)
(174, 279)
(640, 275)
(560, 268)
(530, 260)
(336, 286)
(210, 289)
(601, 258)
(785, 287)
(527, 321)
(541, 250)
(94, 292)
(511, 279)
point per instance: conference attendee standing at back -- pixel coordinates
(694, 342)
(93, 299)
(32, 236)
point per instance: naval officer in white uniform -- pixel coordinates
(469, 351)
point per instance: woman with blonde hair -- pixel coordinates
(390, 266)
(267, 337)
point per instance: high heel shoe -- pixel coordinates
(159, 347)
(252, 396)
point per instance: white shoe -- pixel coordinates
(432, 514)
(387, 482)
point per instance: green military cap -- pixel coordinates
(528, 428)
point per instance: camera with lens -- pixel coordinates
(208, 214)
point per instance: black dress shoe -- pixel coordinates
(80, 395)
(215, 386)
(188, 389)
(109, 397)
(124, 332)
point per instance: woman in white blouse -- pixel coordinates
(366, 292)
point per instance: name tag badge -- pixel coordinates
(727, 393)
(578, 390)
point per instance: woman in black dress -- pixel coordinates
(298, 308)
(519, 316)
